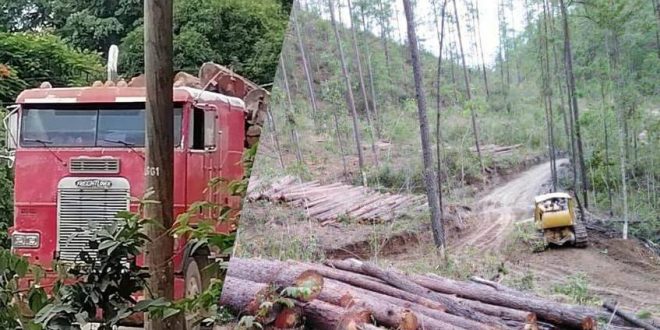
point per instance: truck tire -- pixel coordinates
(196, 281)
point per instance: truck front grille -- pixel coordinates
(94, 165)
(82, 211)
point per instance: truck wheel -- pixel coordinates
(195, 283)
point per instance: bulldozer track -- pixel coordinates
(581, 239)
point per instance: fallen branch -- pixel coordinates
(629, 317)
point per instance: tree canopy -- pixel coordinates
(246, 35)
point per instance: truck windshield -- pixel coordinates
(98, 126)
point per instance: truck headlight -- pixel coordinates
(25, 240)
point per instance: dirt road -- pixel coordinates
(504, 205)
(618, 269)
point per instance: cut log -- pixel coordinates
(628, 317)
(387, 314)
(574, 317)
(379, 303)
(239, 295)
(375, 285)
(557, 313)
(277, 273)
(398, 280)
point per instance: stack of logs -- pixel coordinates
(327, 203)
(350, 294)
(495, 150)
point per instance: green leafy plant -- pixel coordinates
(16, 306)
(576, 288)
(106, 280)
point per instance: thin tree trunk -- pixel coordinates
(349, 91)
(618, 79)
(481, 50)
(438, 132)
(363, 86)
(404, 56)
(656, 9)
(384, 36)
(558, 78)
(452, 64)
(374, 101)
(571, 83)
(607, 148)
(308, 76)
(275, 138)
(504, 55)
(290, 119)
(547, 91)
(431, 185)
(467, 88)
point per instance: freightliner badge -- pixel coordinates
(94, 183)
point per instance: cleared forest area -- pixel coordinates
(568, 103)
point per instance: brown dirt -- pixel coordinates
(623, 270)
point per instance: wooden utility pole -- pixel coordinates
(427, 154)
(159, 169)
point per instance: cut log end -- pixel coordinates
(310, 279)
(589, 324)
(408, 321)
(288, 318)
(355, 320)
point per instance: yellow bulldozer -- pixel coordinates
(557, 222)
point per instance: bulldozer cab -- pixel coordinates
(554, 210)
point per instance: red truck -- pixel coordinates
(78, 157)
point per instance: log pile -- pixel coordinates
(495, 150)
(349, 294)
(328, 203)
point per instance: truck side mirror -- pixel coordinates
(10, 123)
(9, 158)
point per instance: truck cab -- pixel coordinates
(78, 158)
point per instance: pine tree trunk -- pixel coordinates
(349, 91)
(274, 137)
(427, 154)
(363, 86)
(404, 56)
(374, 99)
(481, 50)
(308, 76)
(607, 148)
(287, 112)
(576, 113)
(547, 92)
(656, 9)
(452, 64)
(438, 132)
(384, 37)
(621, 117)
(467, 87)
